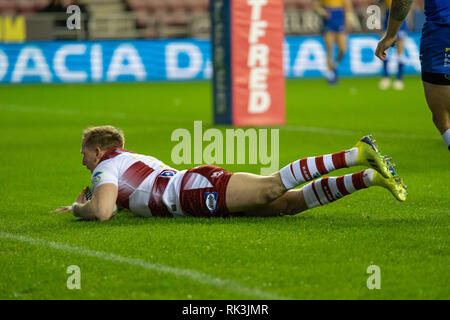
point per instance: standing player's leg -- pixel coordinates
(342, 46)
(326, 190)
(329, 39)
(385, 82)
(398, 83)
(435, 62)
(341, 41)
(401, 36)
(438, 100)
(340, 35)
(333, 25)
(247, 191)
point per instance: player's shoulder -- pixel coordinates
(108, 164)
(114, 157)
(106, 171)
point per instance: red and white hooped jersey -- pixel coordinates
(146, 185)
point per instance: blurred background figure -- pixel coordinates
(336, 16)
(385, 82)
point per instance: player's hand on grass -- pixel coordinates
(384, 44)
(80, 199)
(63, 209)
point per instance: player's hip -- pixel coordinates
(335, 22)
(201, 191)
(435, 52)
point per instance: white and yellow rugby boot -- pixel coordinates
(369, 156)
(394, 184)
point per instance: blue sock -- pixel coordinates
(400, 71)
(385, 69)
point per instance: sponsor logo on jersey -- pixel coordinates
(447, 58)
(217, 174)
(167, 174)
(97, 177)
(211, 201)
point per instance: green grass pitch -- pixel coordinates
(319, 254)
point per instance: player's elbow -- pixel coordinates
(103, 215)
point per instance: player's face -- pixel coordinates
(91, 157)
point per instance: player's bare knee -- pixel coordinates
(272, 191)
(291, 210)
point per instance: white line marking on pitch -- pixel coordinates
(185, 273)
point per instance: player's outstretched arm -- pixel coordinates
(398, 13)
(63, 209)
(101, 206)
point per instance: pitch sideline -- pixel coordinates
(184, 273)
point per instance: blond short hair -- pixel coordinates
(106, 137)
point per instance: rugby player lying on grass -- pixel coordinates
(148, 187)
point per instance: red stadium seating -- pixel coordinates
(137, 5)
(197, 5)
(156, 6)
(154, 18)
(26, 6)
(41, 4)
(8, 7)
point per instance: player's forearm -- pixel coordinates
(400, 9)
(393, 27)
(89, 211)
(84, 211)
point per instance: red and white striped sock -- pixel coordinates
(326, 190)
(307, 169)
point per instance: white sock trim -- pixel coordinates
(368, 177)
(287, 178)
(309, 196)
(350, 156)
(348, 182)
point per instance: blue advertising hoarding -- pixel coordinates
(182, 59)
